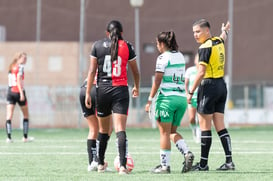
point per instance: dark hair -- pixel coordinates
(202, 23)
(115, 29)
(168, 38)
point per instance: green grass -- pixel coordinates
(60, 154)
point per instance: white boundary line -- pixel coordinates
(143, 140)
(133, 153)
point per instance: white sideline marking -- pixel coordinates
(133, 153)
(147, 141)
(235, 150)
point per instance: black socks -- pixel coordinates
(205, 147)
(122, 145)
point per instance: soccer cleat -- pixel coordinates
(197, 167)
(29, 139)
(161, 169)
(93, 166)
(123, 171)
(103, 168)
(187, 164)
(9, 140)
(227, 166)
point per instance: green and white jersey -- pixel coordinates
(190, 74)
(172, 64)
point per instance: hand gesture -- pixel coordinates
(226, 27)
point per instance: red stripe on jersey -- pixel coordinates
(13, 76)
(119, 66)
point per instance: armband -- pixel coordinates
(150, 98)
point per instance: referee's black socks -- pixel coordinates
(205, 147)
(226, 143)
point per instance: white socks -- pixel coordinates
(165, 157)
(182, 146)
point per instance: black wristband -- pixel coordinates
(191, 93)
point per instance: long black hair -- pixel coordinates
(115, 29)
(168, 38)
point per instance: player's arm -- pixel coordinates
(90, 79)
(156, 83)
(225, 29)
(200, 75)
(187, 81)
(155, 86)
(19, 84)
(134, 68)
(186, 85)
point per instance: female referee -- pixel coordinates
(110, 57)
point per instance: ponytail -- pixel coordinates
(115, 30)
(168, 38)
(115, 35)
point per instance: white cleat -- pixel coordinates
(123, 171)
(29, 139)
(93, 166)
(104, 168)
(9, 140)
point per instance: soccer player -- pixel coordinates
(212, 92)
(16, 94)
(171, 102)
(189, 79)
(110, 57)
(92, 121)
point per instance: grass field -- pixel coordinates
(60, 154)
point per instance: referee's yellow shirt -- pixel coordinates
(212, 55)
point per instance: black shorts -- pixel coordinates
(112, 99)
(212, 95)
(86, 111)
(14, 97)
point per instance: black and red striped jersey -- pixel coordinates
(13, 77)
(112, 73)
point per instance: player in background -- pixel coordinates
(171, 102)
(16, 94)
(90, 115)
(212, 92)
(110, 57)
(189, 79)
